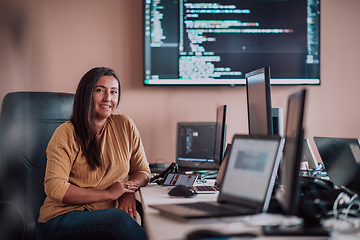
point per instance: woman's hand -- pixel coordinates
(119, 188)
(128, 204)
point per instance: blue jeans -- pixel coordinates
(111, 223)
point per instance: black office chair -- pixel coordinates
(27, 122)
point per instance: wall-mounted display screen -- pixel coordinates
(196, 42)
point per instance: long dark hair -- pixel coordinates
(83, 115)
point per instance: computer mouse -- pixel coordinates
(182, 191)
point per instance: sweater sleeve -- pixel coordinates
(138, 161)
(60, 156)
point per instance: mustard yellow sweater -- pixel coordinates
(122, 152)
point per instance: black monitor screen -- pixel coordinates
(196, 42)
(195, 145)
(288, 194)
(341, 157)
(220, 137)
(259, 101)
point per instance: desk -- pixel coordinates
(159, 227)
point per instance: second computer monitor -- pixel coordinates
(220, 134)
(259, 101)
(195, 146)
(288, 194)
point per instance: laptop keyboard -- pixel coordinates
(206, 207)
(203, 207)
(204, 188)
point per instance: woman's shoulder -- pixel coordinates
(121, 118)
(64, 131)
(65, 127)
(122, 121)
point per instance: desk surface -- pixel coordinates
(163, 228)
(159, 227)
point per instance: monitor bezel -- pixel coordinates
(220, 134)
(288, 194)
(267, 104)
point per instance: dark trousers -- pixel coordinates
(107, 224)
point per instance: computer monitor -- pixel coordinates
(195, 146)
(259, 101)
(288, 192)
(220, 137)
(196, 42)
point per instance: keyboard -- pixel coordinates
(222, 209)
(203, 206)
(204, 188)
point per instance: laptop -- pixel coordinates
(253, 161)
(219, 178)
(341, 158)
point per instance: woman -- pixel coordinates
(95, 163)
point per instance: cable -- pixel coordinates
(352, 203)
(341, 199)
(341, 221)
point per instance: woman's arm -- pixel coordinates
(79, 195)
(140, 178)
(139, 169)
(127, 201)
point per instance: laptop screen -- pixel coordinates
(341, 159)
(251, 167)
(308, 156)
(221, 172)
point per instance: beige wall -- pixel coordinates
(48, 46)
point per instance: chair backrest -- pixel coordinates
(27, 122)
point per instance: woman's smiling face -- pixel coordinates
(105, 98)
